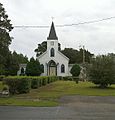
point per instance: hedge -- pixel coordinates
(70, 78)
(23, 84)
(34, 83)
(18, 85)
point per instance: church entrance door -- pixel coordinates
(52, 68)
(52, 71)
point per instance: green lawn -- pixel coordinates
(48, 95)
(27, 102)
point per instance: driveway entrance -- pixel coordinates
(71, 108)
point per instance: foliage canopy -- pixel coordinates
(34, 68)
(102, 70)
(5, 40)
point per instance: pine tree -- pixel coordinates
(5, 39)
(33, 68)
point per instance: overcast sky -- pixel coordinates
(98, 38)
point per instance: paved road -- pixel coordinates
(71, 108)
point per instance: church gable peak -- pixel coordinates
(52, 34)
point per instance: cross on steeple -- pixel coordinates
(52, 19)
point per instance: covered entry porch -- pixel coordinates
(52, 68)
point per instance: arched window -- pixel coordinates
(62, 68)
(52, 52)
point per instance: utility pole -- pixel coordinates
(83, 48)
(83, 54)
(83, 66)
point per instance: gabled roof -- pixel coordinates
(63, 55)
(52, 34)
(52, 58)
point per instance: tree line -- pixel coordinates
(9, 62)
(102, 70)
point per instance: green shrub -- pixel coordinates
(34, 83)
(60, 77)
(75, 70)
(23, 85)
(48, 80)
(53, 78)
(44, 81)
(34, 68)
(18, 85)
(66, 78)
(11, 84)
(40, 82)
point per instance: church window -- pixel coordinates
(52, 52)
(62, 68)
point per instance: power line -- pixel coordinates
(65, 25)
(30, 26)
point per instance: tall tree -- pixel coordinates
(76, 56)
(102, 70)
(20, 58)
(41, 48)
(71, 53)
(11, 66)
(87, 55)
(5, 39)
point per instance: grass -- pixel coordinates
(25, 102)
(49, 95)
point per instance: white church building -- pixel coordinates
(55, 63)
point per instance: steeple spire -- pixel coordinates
(52, 34)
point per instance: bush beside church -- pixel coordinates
(23, 84)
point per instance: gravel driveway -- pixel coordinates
(76, 100)
(71, 108)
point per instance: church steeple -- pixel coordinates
(52, 34)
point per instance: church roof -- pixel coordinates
(63, 55)
(52, 34)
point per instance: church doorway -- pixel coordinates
(52, 71)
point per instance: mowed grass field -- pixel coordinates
(49, 95)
